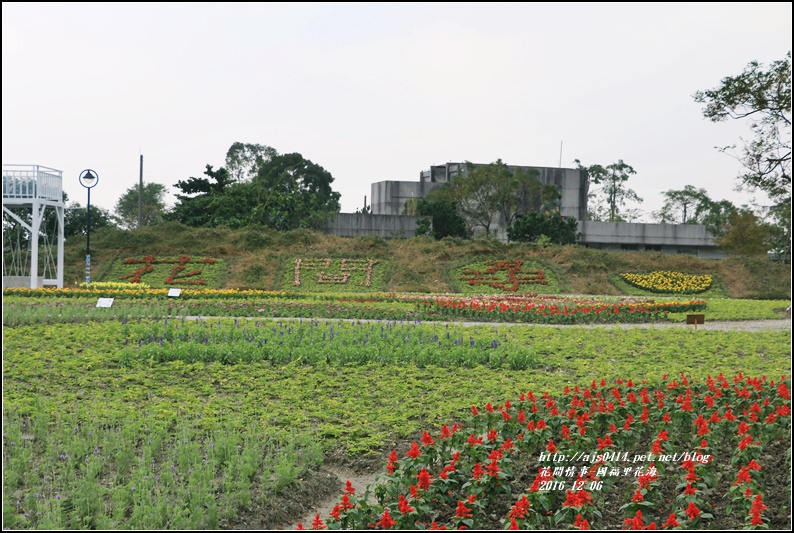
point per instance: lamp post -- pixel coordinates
(88, 179)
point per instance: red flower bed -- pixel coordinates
(623, 455)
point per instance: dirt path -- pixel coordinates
(359, 481)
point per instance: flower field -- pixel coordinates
(139, 417)
(607, 455)
(665, 282)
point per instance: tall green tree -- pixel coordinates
(486, 195)
(440, 217)
(286, 192)
(694, 206)
(613, 193)
(243, 160)
(206, 202)
(746, 235)
(152, 199)
(292, 192)
(683, 206)
(761, 97)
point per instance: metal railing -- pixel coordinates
(32, 181)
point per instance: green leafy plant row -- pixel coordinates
(314, 341)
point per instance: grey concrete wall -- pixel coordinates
(642, 234)
(668, 238)
(358, 225)
(389, 197)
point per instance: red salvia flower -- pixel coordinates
(424, 479)
(671, 521)
(581, 524)
(386, 521)
(692, 511)
(462, 511)
(318, 523)
(520, 508)
(637, 522)
(493, 469)
(345, 503)
(403, 506)
(427, 439)
(551, 447)
(414, 452)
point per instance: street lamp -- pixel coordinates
(88, 179)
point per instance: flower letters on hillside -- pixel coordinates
(335, 270)
(505, 275)
(177, 276)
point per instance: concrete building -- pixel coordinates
(390, 197)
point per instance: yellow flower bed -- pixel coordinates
(113, 285)
(669, 282)
(95, 289)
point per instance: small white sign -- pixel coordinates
(104, 302)
(174, 293)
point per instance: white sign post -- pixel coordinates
(174, 293)
(104, 302)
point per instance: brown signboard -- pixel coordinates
(696, 319)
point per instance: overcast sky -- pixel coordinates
(379, 91)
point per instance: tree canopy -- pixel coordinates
(762, 97)
(745, 235)
(286, 191)
(440, 217)
(693, 206)
(613, 193)
(153, 204)
(487, 194)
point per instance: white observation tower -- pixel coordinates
(33, 213)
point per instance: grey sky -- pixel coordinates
(378, 91)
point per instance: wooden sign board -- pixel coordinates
(104, 302)
(174, 293)
(696, 319)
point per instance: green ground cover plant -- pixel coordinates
(312, 341)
